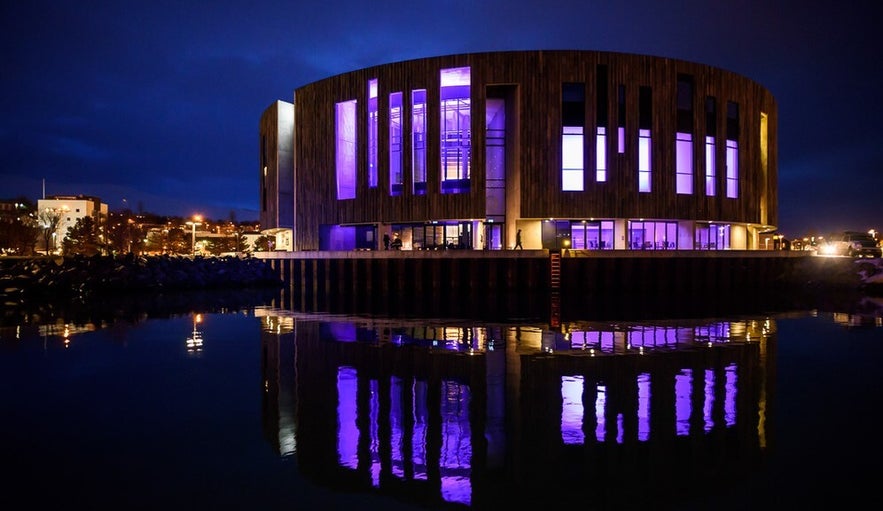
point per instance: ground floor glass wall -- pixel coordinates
(552, 234)
(592, 235)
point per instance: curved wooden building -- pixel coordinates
(582, 150)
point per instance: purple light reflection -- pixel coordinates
(347, 430)
(456, 451)
(572, 410)
(683, 405)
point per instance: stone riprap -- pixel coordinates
(59, 278)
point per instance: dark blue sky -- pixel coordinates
(154, 105)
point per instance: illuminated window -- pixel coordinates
(684, 163)
(710, 144)
(645, 122)
(572, 159)
(455, 149)
(649, 235)
(684, 136)
(620, 116)
(345, 149)
(601, 154)
(372, 133)
(732, 150)
(418, 141)
(601, 119)
(396, 180)
(573, 116)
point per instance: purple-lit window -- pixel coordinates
(572, 159)
(652, 235)
(345, 149)
(710, 146)
(644, 161)
(601, 155)
(732, 169)
(418, 141)
(709, 167)
(572, 410)
(373, 122)
(592, 235)
(645, 125)
(712, 236)
(684, 136)
(396, 181)
(620, 130)
(573, 121)
(456, 116)
(602, 120)
(732, 150)
(684, 163)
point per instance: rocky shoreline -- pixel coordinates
(27, 280)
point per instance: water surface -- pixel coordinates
(261, 407)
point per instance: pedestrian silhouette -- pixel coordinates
(386, 241)
(518, 240)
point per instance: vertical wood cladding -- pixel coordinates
(268, 190)
(537, 76)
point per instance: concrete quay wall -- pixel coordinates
(455, 273)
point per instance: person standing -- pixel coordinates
(518, 240)
(385, 241)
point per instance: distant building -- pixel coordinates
(70, 209)
(578, 149)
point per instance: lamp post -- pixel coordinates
(197, 220)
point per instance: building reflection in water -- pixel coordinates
(435, 413)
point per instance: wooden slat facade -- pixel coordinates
(533, 80)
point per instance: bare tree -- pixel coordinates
(49, 219)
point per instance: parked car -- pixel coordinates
(852, 244)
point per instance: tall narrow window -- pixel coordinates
(396, 181)
(573, 120)
(764, 167)
(495, 161)
(645, 123)
(601, 154)
(684, 136)
(710, 143)
(418, 141)
(345, 149)
(620, 119)
(455, 148)
(732, 150)
(601, 121)
(372, 133)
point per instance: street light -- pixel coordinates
(197, 220)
